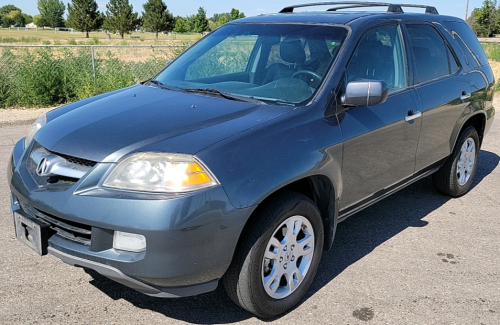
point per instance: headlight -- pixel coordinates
(160, 172)
(41, 121)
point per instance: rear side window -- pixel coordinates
(467, 40)
(433, 58)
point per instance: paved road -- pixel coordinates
(415, 258)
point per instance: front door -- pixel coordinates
(380, 142)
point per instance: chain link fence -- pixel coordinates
(47, 75)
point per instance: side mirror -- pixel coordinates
(365, 92)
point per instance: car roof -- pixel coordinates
(343, 13)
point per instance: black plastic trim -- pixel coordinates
(116, 275)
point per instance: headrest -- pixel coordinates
(291, 51)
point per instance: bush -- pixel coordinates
(50, 76)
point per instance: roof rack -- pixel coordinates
(391, 7)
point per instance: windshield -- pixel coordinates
(277, 63)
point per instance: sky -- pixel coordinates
(250, 8)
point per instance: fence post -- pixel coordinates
(93, 61)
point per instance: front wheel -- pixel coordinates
(455, 177)
(277, 258)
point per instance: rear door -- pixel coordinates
(443, 89)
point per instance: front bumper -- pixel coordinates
(190, 239)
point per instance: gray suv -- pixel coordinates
(236, 162)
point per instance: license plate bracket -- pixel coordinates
(32, 232)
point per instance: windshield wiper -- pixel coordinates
(211, 91)
(161, 85)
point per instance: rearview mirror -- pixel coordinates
(365, 92)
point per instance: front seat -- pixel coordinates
(291, 52)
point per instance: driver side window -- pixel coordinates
(380, 56)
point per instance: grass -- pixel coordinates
(40, 36)
(492, 51)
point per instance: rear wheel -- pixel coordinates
(278, 256)
(455, 177)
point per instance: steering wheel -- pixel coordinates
(313, 78)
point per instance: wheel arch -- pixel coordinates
(320, 190)
(478, 121)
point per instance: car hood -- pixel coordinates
(145, 118)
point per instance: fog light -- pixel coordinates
(129, 242)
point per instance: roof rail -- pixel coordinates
(391, 7)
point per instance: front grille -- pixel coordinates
(75, 160)
(72, 168)
(71, 230)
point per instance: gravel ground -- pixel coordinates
(20, 116)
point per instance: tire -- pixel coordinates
(269, 252)
(455, 177)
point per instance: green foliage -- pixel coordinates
(16, 17)
(201, 21)
(27, 19)
(8, 8)
(51, 76)
(51, 12)
(120, 17)
(25, 40)
(485, 21)
(236, 14)
(156, 17)
(6, 22)
(220, 19)
(83, 15)
(37, 20)
(180, 25)
(492, 51)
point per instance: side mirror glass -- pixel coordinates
(365, 92)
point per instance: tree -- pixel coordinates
(27, 18)
(201, 21)
(51, 12)
(8, 8)
(180, 25)
(16, 17)
(83, 15)
(236, 14)
(190, 23)
(156, 17)
(120, 16)
(484, 21)
(222, 20)
(39, 21)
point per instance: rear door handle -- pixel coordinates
(414, 116)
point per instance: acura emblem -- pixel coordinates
(43, 168)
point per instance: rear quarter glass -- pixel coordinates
(468, 42)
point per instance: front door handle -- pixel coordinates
(415, 115)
